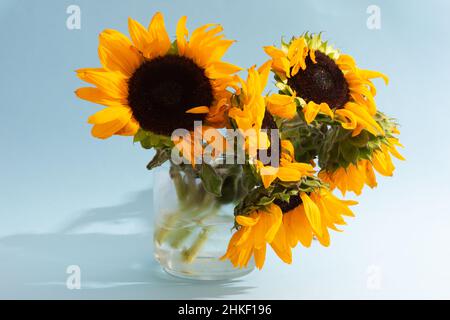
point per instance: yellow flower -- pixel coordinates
(288, 62)
(354, 177)
(283, 226)
(323, 211)
(255, 232)
(309, 215)
(288, 170)
(155, 85)
(249, 115)
(326, 82)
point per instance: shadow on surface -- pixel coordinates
(113, 265)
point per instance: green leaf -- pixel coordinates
(250, 177)
(230, 187)
(212, 181)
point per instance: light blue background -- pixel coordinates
(66, 198)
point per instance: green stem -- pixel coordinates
(196, 205)
(190, 254)
(180, 237)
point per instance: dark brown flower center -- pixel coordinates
(321, 82)
(161, 90)
(294, 202)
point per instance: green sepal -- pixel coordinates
(149, 140)
(261, 197)
(173, 48)
(349, 152)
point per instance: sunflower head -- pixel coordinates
(156, 85)
(326, 85)
(349, 162)
(283, 217)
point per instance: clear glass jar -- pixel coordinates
(193, 227)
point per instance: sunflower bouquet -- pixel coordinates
(275, 159)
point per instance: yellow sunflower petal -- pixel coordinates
(312, 109)
(198, 110)
(364, 118)
(220, 69)
(394, 142)
(325, 109)
(297, 53)
(279, 99)
(96, 95)
(304, 230)
(219, 50)
(114, 84)
(129, 129)
(280, 62)
(280, 245)
(182, 33)
(313, 214)
(371, 179)
(139, 34)
(289, 174)
(264, 71)
(382, 163)
(108, 114)
(117, 54)
(368, 74)
(312, 55)
(268, 174)
(159, 39)
(107, 129)
(247, 221)
(288, 146)
(347, 119)
(283, 106)
(274, 52)
(274, 218)
(260, 257)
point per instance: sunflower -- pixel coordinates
(283, 224)
(155, 84)
(323, 81)
(311, 215)
(256, 230)
(355, 176)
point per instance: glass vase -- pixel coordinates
(193, 226)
